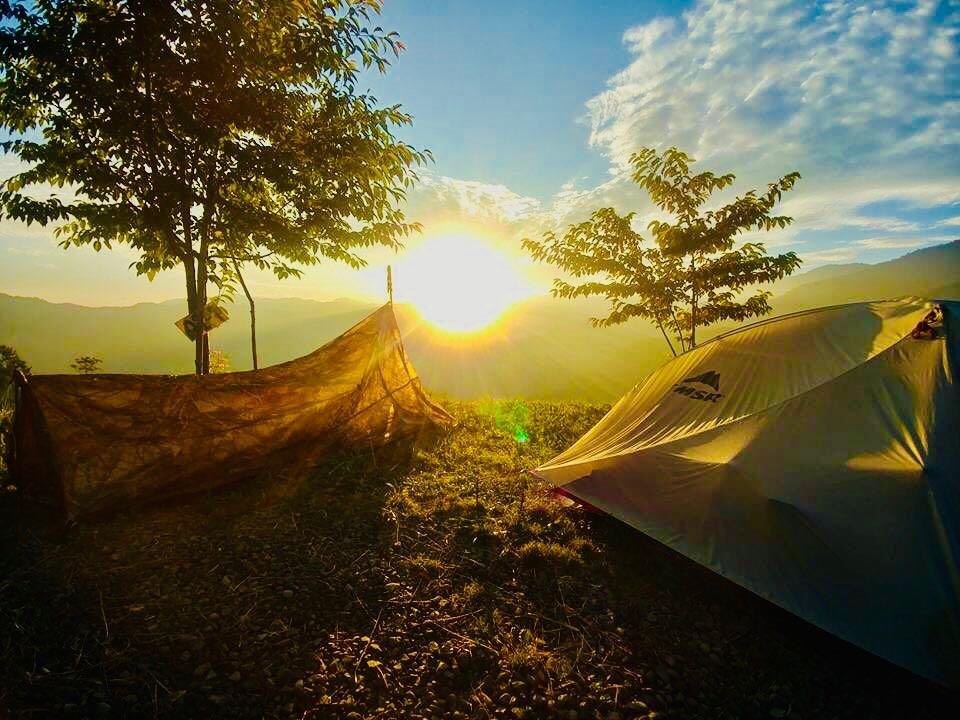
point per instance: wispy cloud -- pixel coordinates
(860, 97)
(832, 255)
(886, 243)
(28, 252)
(481, 200)
(787, 78)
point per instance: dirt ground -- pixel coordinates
(420, 582)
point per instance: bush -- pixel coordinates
(10, 362)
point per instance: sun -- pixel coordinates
(459, 282)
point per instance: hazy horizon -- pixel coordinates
(575, 361)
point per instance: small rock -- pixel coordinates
(202, 670)
(288, 594)
(235, 677)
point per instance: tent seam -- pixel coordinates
(791, 316)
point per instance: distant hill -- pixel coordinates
(142, 337)
(822, 273)
(931, 272)
(542, 347)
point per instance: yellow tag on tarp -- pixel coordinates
(214, 315)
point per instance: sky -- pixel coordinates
(532, 109)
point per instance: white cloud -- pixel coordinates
(887, 243)
(484, 201)
(948, 222)
(860, 98)
(644, 38)
(28, 252)
(833, 255)
(838, 203)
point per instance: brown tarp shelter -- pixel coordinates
(94, 443)
(813, 459)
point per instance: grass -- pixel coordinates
(433, 581)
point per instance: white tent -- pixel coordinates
(813, 459)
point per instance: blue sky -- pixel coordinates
(498, 89)
(532, 109)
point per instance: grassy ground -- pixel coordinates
(428, 583)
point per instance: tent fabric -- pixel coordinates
(93, 443)
(813, 459)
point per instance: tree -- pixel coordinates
(610, 254)
(10, 363)
(86, 364)
(692, 275)
(205, 134)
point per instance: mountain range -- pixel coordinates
(541, 348)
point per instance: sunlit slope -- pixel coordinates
(929, 272)
(541, 348)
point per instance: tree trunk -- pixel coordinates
(676, 324)
(693, 304)
(196, 275)
(203, 345)
(667, 338)
(253, 316)
(194, 310)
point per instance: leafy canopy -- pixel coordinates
(203, 133)
(693, 274)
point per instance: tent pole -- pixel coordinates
(389, 285)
